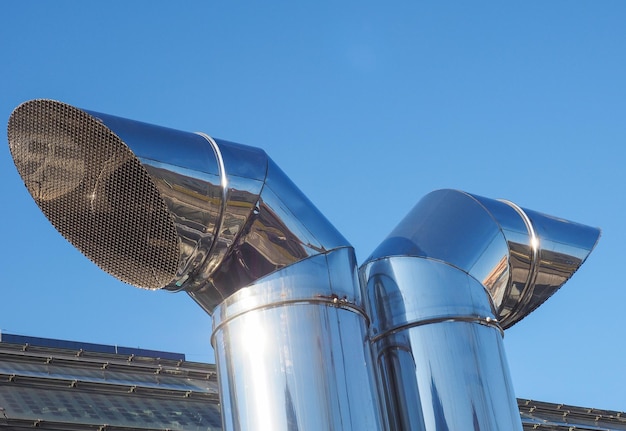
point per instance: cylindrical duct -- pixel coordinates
(292, 351)
(439, 291)
(164, 209)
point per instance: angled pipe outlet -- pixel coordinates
(441, 288)
(522, 257)
(165, 209)
(160, 208)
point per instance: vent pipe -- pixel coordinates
(441, 288)
(164, 209)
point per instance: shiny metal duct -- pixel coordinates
(164, 209)
(441, 288)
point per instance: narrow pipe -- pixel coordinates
(441, 288)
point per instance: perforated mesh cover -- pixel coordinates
(95, 192)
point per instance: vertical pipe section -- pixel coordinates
(438, 348)
(440, 289)
(292, 351)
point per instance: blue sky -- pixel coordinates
(367, 107)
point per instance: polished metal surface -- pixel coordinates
(439, 291)
(161, 208)
(292, 351)
(522, 257)
(292, 330)
(405, 291)
(437, 348)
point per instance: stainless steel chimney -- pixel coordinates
(441, 288)
(164, 209)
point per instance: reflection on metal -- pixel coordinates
(313, 369)
(521, 256)
(439, 291)
(161, 208)
(294, 327)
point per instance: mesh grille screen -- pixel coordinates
(95, 192)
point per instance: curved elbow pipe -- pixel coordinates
(440, 289)
(160, 208)
(520, 256)
(165, 209)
